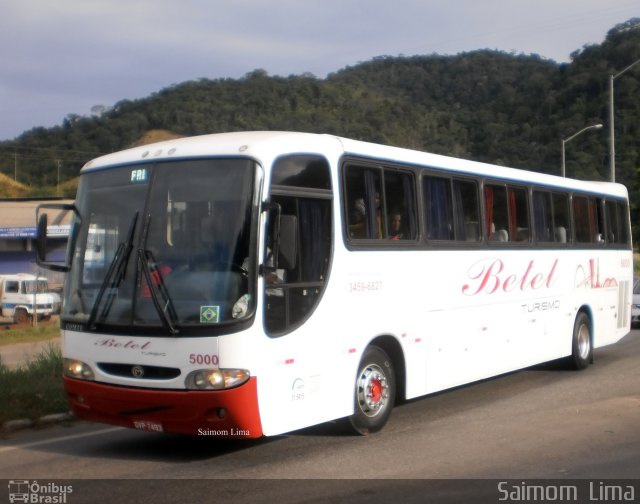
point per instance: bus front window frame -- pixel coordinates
(206, 270)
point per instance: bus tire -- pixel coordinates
(582, 344)
(375, 392)
(21, 316)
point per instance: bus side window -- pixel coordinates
(543, 216)
(622, 237)
(496, 213)
(613, 232)
(617, 231)
(561, 218)
(380, 204)
(518, 214)
(438, 208)
(584, 219)
(467, 215)
(399, 199)
(363, 203)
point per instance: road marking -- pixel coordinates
(4, 449)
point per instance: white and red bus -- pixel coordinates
(250, 284)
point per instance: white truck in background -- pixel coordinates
(20, 292)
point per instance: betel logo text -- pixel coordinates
(131, 344)
(489, 276)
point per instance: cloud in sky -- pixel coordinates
(65, 57)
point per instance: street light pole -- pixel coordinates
(58, 163)
(564, 141)
(612, 141)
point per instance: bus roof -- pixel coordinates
(267, 145)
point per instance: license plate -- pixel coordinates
(147, 425)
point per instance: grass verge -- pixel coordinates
(45, 330)
(34, 389)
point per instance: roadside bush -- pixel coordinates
(34, 389)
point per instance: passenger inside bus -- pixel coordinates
(357, 225)
(396, 226)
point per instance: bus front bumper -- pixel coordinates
(229, 413)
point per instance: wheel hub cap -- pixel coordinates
(373, 390)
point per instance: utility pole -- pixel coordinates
(59, 163)
(612, 140)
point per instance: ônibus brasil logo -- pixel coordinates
(40, 493)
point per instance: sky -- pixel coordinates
(67, 56)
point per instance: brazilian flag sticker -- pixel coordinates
(209, 314)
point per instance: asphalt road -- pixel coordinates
(541, 423)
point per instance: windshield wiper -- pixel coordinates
(156, 285)
(115, 274)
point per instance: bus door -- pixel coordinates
(295, 267)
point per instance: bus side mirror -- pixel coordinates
(41, 243)
(55, 227)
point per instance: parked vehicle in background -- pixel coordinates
(635, 307)
(19, 294)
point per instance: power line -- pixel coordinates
(42, 158)
(57, 152)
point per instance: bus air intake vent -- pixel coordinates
(139, 371)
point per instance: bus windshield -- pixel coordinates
(164, 245)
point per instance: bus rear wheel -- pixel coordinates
(581, 348)
(375, 391)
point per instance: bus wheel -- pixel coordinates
(21, 316)
(375, 391)
(581, 347)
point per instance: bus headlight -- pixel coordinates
(77, 369)
(215, 379)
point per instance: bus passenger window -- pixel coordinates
(363, 202)
(496, 213)
(467, 216)
(380, 204)
(616, 225)
(518, 214)
(543, 216)
(438, 208)
(561, 218)
(399, 205)
(584, 219)
(612, 224)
